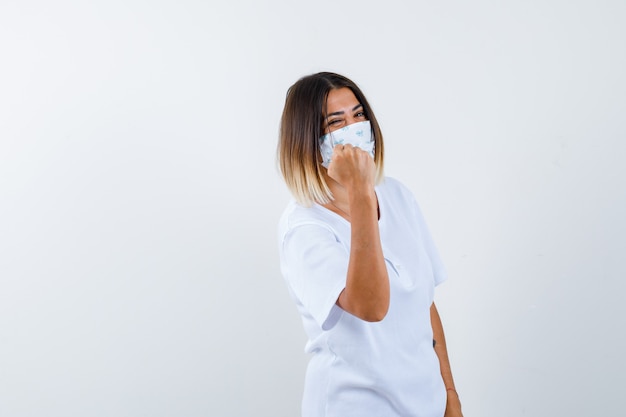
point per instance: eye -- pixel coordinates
(334, 122)
(360, 114)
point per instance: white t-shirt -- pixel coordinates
(358, 368)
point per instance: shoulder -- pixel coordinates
(396, 191)
(296, 215)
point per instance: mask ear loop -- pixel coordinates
(324, 142)
(331, 137)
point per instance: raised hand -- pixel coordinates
(353, 168)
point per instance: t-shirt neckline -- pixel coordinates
(341, 218)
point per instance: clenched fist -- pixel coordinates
(353, 168)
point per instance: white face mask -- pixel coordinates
(358, 135)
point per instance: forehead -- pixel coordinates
(340, 99)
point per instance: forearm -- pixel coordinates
(441, 348)
(453, 405)
(367, 285)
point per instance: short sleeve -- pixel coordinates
(439, 271)
(315, 264)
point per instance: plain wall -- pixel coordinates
(139, 197)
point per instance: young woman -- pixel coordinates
(359, 263)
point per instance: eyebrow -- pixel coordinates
(337, 113)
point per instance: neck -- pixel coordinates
(340, 203)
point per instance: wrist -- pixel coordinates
(362, 195)
(366, 204)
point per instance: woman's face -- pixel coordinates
(342, 109)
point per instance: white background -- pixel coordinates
(139, 196)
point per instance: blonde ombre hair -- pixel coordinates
(301, 127)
